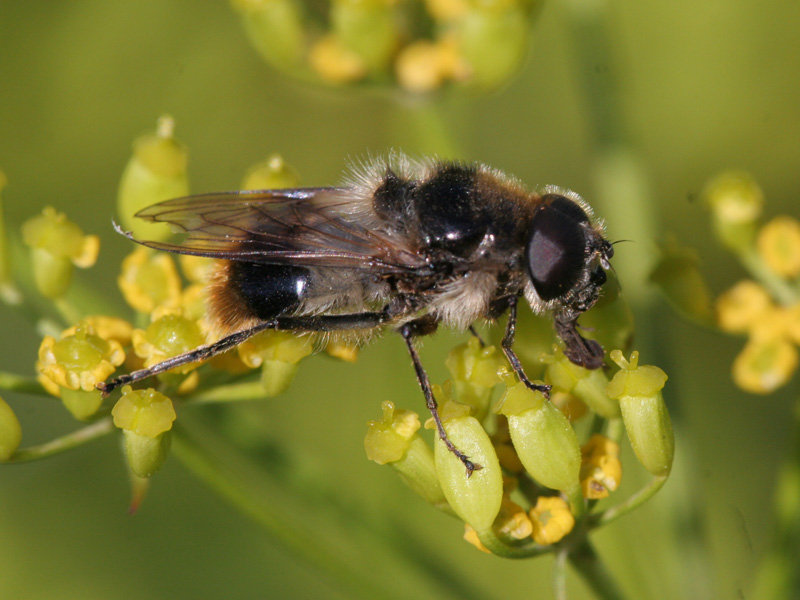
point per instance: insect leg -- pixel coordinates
(475, 333)
(507, 345)
(408, 332)
(365, 320)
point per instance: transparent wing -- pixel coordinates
(311, 226)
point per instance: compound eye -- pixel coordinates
(557, 248)
(599, 277)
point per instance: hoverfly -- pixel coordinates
(402, 244)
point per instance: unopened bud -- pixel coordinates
(474, 370)
(736, 202)
(476, 498)
(10, 431)
(644, 413)
(588, 385)
(275, 29)
(156, 171)
(278, 353)
(393, 440)
(543, 438)
(270, 174)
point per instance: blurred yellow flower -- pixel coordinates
(551, 519)
(149, 279)
(778, 242)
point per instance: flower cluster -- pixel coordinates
(536, 480)
(764, 308)
(419, 48)
(166, 297)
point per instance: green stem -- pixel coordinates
(68, 312)
(247, 494)
(586, 561)
(639, 498)
(65, 442)
(251, 390)
(778, 287)
(777, 576)
(559, 576)
(425, 126)
(498, 547)
(19, 383)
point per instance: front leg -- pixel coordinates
(423, 326)
(507, 345)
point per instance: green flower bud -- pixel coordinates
(56, 245)
(493, 39)
(145, 412)
(588, 385)
(277, 376)
(81, 404)
(736, 202)
(475, 499)
(145, 417)
(146, 455)
(10, 431)
(393, 440)
(170, 334)
(474, 370)
(274, 28)
(278, 354)
(543, 438)
(155, 172)
(644, 412)
(270, 174)
(680, 280)
(368, 28)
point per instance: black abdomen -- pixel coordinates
(269, 291)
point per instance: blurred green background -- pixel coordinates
(701, 87)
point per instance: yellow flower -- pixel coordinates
(342, 350)
(601, 469)
(108, 328)
(169, 335)
(764, 366)
(336, 63)
(80, 360)
(471, 537)
(734, 197)
(420, 67)
(196, 268)
(551, 520)
(512, 522)
(57, 244)
(193, 304)
(388, 439)
(572, 406)
(275, 345)
(739, 308)
(278, 353)
(149, 279)
(447, 10)
(778, 243)
(144, 412)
